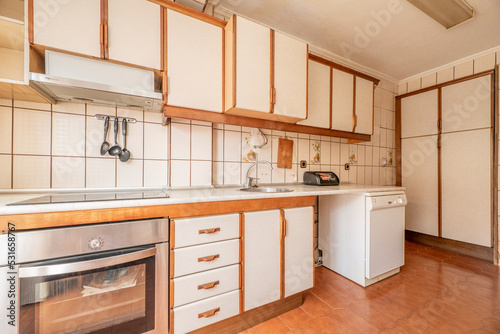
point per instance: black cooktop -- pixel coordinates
(92, 197)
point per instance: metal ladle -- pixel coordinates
(105, 144)
(116, 149)
(124, 154)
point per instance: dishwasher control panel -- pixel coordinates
(386, 201)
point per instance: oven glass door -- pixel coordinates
(112, 292)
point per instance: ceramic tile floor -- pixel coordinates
(436, 292)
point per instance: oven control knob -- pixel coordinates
(95, 243)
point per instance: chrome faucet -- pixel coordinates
(249, 180)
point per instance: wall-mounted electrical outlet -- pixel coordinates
(347, 166)
(303, 164)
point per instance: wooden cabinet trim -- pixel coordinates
(354, 118)
(30, 22)
(272, 52)
(343, 68)
(190, 12)
(282, 253)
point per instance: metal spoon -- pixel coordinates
(125, 154)
(105, 144)
(116, 149)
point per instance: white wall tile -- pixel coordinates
(129, 174)
(278, 174)
(429, 80)
(484, 63)
(31, 172)
(291, 174)
(69, 107)
(387, 100)
(274, 142)
(68, 172)
(360, 179)
(6, 102)
(382, 172)
(155, 141)
(153, 117)
(414, 85)
(391, 120)
(6, 174)
(201, 173)
(368, 175)
(180, 173)
(32, 105)
(218, 145)
(376, 157)
(344, 154)
(368, 155)
(201, 142)
(218, 173)
(232, 146)
(193, 122)
(314, 152)
(464, 69)
(361, 155)
(376, 176)
(236, 128)
(180, 120)
(180, 139)
(232, 172)
(244, 168)
(93, 109)
(32, 132)
(325, 152)
(303, 150)
(135, 140)
(383, 137)
(155, 173)
(100, 173)
(68, 135)
(95, 135)
(335, 153)
(353, 174)
(445, 75)
(5, 130)
(131, 113)
(264, 173)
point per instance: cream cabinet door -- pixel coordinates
(299, 250)
(134, 32)
(419, 167)
(467, 105)
(290, 76)
(253, 66)
(318, 97)
(68, 25)
(364, 106)
(342, 100)
(194, 63)
(466, 186)
(261, 259)
(419, 114)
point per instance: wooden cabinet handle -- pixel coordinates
(284, 227)
(209, 230)
(106, 35)
(207, 286)
(209, 314)
(208, 258)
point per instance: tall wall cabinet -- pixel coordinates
(447, 159)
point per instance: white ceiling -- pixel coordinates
(389, 36)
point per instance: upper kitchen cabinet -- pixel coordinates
(363, 112)
(12, 42)
(342, 101)
(318, 97)
(419, 114)
(111, 29)
(194, 63)
(266, 73)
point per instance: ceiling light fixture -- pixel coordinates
(448, 13)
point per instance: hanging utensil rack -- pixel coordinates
(101, 117)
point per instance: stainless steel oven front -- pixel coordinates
(99, 278)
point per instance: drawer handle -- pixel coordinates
(207, 286)
(208, 258)
(209, 230)
(209, 314)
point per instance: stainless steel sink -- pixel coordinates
(266, 190)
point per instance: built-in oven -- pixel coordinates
(99, 278)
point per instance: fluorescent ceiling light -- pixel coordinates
(448, 13)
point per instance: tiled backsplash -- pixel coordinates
(57, 146)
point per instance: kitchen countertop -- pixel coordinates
(180, 197)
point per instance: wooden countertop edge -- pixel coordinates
(81, 217)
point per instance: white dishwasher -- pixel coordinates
(361, 236)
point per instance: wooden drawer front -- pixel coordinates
(194, 259)
(206, 312)
(207, 284)
(202, 230)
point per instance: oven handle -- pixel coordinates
(67, 268)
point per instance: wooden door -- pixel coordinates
(134, 32)
(194, 69)
(419, 169)
(466, 186)
(70, 25)
(299, 250)
(318, 97)
(364, 106)
(261, 258)
(342, 100)
(290, 76)
(419, 114)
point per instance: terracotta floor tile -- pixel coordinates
(248, 331)
(351, 322)
(331, 297)
(296, 318)
(299, 331)
(324, 326)
(391, 331)
(272, 326)
(490, 326)
(315, 307)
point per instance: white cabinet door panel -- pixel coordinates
(419, 114)
(134, 32)
(261, 261)
(253, 66)
(466, 186)
(68, 25)
(194, 67)
(342, 100)
(318, 113)
(299, 248)
(419, 164)
(467, 105)
(364, 106)
(290, 76)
